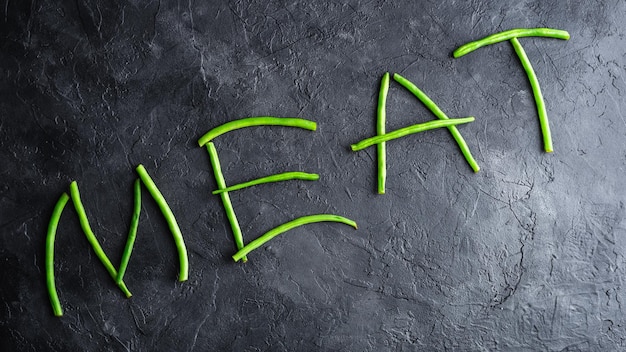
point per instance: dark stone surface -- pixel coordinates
(525, 255)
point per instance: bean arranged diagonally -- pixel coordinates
(285, 176)
(132, 233)
(401, 132)
(84, 223)
(508, 35)
(170, 219)
(257, 121)
(288, 226)
(440, 115)
(228, 206)
(381, 120)
(50, 238)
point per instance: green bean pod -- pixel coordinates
(420, 127)
(285, 176)
(508, 35)
(288, 226)
(171, 222)
(381, 120)
(50, 238)
(132, 233)
(534, 84)
(228, 207)
(256, 121)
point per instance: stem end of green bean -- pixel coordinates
(237, 257)
(309, 219)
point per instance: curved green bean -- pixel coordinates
(534, 84)
(132, 233)
(285, 176)
(381, 117)
(84, 223)
(420, 127)
(170, 219)
(508, 35)
(228, 207)
(288, 226)
(257, 121)
(440, 115)
(50, 237)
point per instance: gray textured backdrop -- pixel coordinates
(525, 255)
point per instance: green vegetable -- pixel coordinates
(285, 176)
(420, 127)
(440, 115)
(84, 223)
(508, 35)
(381, 116)
(256, 121)
(171, 222)
(228, 207)
(288, 226)
(50, 237)
(534, 84)
(132, 233)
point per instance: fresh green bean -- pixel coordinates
(534, 84)
(381, 117)
(228, 207)
(84, 223)
(420, 127)
(440, 115)
(50, 237)
(132, 233)
(508, 35)
(256, 121)
(171, 222)
(288, 226)
(285, 176)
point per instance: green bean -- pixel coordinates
(420, 127)
(171, 222)
(285, 176)
(84, 223)
(508, 35)
(228, 207)
(256, 121)
(440, 115)
(381, 117)
(50, 237)
(534, 84)
(132, 233)
(288, 226)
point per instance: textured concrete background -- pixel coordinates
(526, 255)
